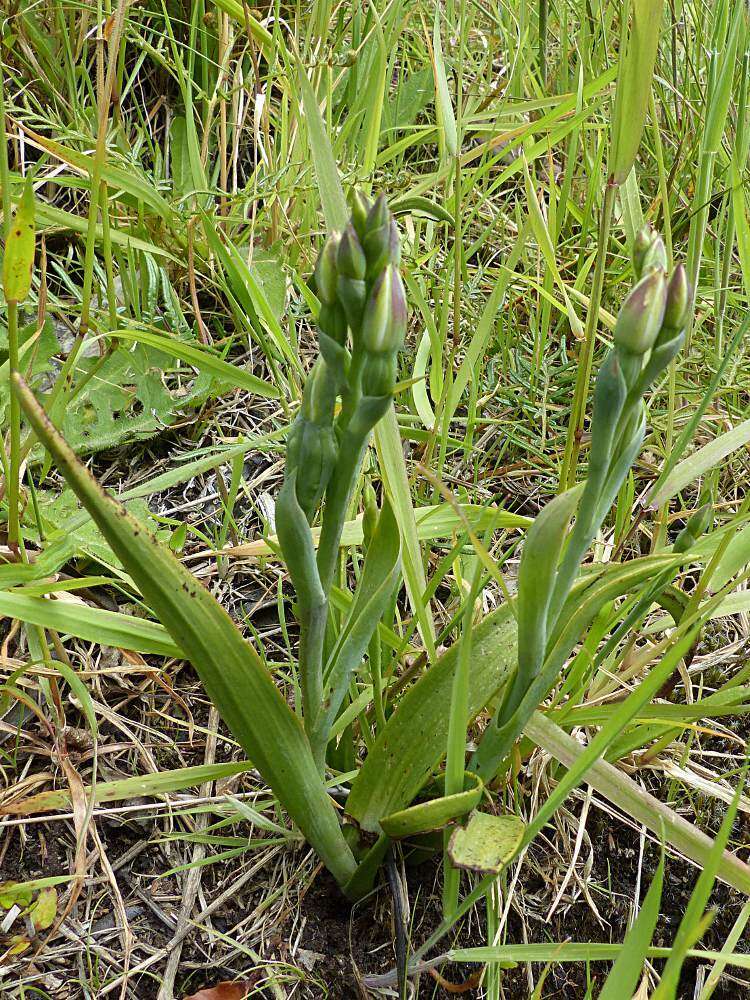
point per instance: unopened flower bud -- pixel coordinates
(370, 515)
(696, 525)
(319, 397)
(655, 258)
(384, 322)
(350, 258)
(360, 206)
(678, 299)
(641, 243)
(379, 374)
(311, 455)
(641, 314)
(382, 246)
(378, 215)
(326, 274)
(332, 321)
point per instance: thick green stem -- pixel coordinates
(340, 488)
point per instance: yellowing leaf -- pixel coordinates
(14, 894)
(45, 909)
(19, 249)
(487, 842)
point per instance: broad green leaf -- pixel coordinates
(432, 521)
(536, 579)
(233, 674)
(413, 742)
(18, 260)
(736, 556)
(486, 843)
(435, 813)
(634, 79)
(201, 359)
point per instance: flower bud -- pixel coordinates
(641, 314)
(312, 452)
(655, 258)
(641, 243)
(370, 514)
(350, 257)
(678, 299)
(360, 206)
(697, 524)
(319, 397)
(382, 246)
(384, 322)
(326, 274)
(332, 321)
(378, 215)
(379, 374)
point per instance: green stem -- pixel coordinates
(15, 430)
(455, 761)
(351, 452)
(578, 411)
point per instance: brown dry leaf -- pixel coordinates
(222, 991)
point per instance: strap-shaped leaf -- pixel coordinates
(233, 674)
(434, 814)
(376, 584)
(536, 581)
(18, 261)
(414, 739)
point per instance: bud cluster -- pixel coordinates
(656, 310)
(361, 328)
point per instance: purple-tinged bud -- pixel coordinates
(655, 258)
(382, 246)
(679, 295)
(697, 524)
(641, 243)
(384, 321)
(326, 274)
(360, 206)
(350, 258)
(641, 315)
(378, 215)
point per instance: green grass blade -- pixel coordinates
(623, 979)
(201, 359)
